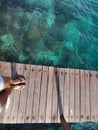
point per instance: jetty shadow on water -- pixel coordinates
(49, 126)
(38, 126)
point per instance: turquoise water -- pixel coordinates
(61, 33)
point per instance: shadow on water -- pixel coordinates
(50, 126)
(42, 126)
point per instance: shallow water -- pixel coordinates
(61, 33)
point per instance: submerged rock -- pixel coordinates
(46, 58)
(71, 32)
(7, 41)
(34, 29)
(22, 57)
(66, 53)
(7, 38)
(70, 46)
(50, 19)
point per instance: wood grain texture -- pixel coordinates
(61, 89)
(37, 89)
(97, 95)
(66, 95)
(87, 91)
(71, 98)
(43, 95)
(77, 95)
(49, 95)
(93, 94)
(54, 111)
(83, 96)
(30, 96)
(16, 98)
(23, 96)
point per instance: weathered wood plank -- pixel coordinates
(49, 95)
(93, 93)
(72, 100)
(97, 96)
(66, 95)
(43, 99)
(38, 82)
(29, 106)
(2, 66)
(16, 97)
(23, 96)
(61, 87)
(87, 91)
(7, 69)
(83, 96)
(54, 111)
(77, 96)
(7, 113)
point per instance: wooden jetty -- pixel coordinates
(37, 103)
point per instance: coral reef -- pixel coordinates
(7, 41)
(46, 58)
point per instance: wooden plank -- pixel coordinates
(7, 113)
(2, 66)
(71, 110)
(83, 96)
(43, 99)
(87, 91)
(30, 98)
(16, 97)
(77, 96)
(66, 95)
(54, 111)
(7, 69)
(61, 86)
(23, 96)
(49, 95)
(93, 95)
(97, 95)
(37, 94)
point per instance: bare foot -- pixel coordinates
(20, 87)
(19, 80)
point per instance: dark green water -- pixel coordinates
(61, 33)
(73, 126)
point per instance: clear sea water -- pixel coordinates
(61, 33)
